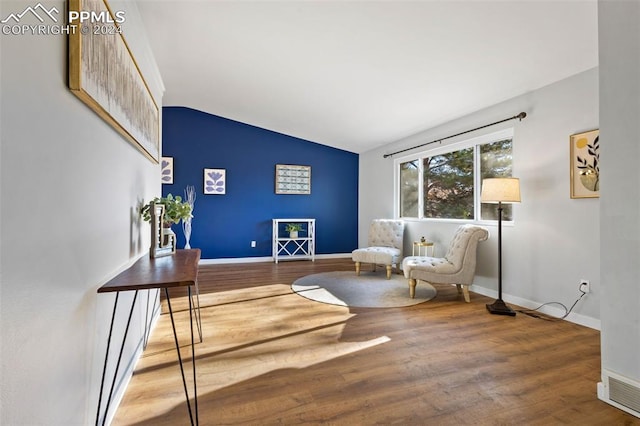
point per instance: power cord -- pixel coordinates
(532, 312)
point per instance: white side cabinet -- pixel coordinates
(301, 247)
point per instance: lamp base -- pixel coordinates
(500, 308)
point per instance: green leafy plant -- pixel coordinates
(293, 227)
(175, 209)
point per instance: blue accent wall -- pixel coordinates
(225, 225)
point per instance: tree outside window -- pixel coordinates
(448, 183)
(496, 162)
(447, 186)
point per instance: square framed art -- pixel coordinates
(293, 179)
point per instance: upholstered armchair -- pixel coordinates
(458, 266)
(385, 242)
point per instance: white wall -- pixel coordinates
(555, 240)
(619, 45)
(69, 189)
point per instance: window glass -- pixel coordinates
(448, 183)
(495, 162)
(409, 189)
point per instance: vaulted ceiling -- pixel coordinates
(360, 74)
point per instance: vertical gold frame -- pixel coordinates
(585, 164)
(104, 74)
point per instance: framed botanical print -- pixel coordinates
(585, 164)
(166, 172)
(215, 181)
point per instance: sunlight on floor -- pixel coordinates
(240, 342)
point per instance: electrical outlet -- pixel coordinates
(253, 243)
(585, 286)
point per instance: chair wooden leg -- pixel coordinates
(357, 268)
(465, 290)
(388, 271)
(459, 287)
(412, 288)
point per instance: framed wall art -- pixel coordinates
(166, 170)
(585, 164)
(215, 181)
(104, 74)
(293, 179)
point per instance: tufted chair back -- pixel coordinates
(457, 267)
(386, 233)
(385, 245)
(464, 243)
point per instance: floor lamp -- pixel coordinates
(500, 190)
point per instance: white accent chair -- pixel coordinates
(458, 266)
(386, 237)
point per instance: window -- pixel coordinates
(445, 183)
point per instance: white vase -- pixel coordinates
(293, 234)
(186, 227)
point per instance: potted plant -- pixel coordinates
(175, 210)
(293, 229)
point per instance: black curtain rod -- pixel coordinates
(519, 116)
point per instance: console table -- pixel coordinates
(301, 247)
(178, 270)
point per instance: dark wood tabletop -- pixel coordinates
(177, 270)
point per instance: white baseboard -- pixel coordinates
(264, 259)
(333, 256)
(548, 310)
(235, 260)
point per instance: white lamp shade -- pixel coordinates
(505, 190)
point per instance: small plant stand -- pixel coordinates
(302, 247)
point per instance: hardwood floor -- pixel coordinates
(270, 357)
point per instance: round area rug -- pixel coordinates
(369, 290)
